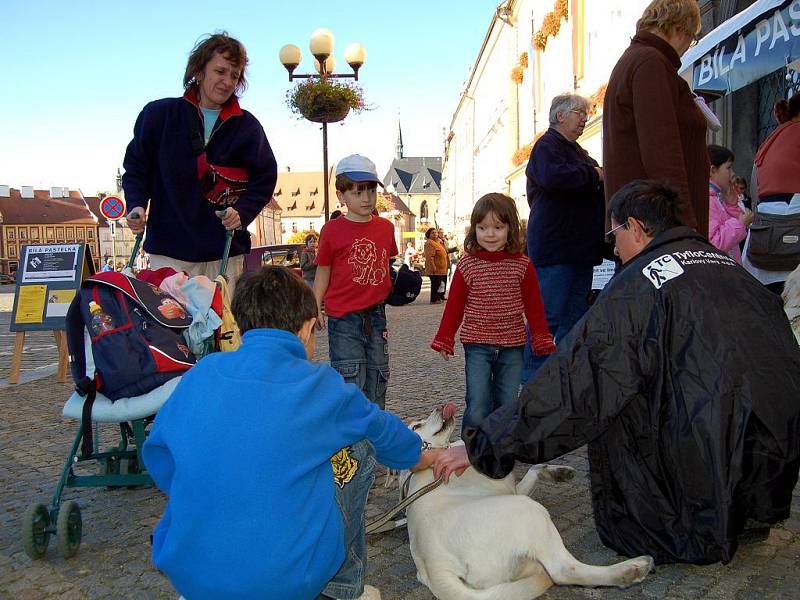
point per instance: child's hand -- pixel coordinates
(321, 321)
(427, 459)
(444, 354)
(746, 217)
(543, 345)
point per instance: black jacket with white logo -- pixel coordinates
(684, 380)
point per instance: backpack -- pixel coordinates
(406, 285)
(136, 340)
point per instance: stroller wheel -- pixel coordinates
(35, 530)
(68, 529)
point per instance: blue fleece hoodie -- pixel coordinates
(242, 448)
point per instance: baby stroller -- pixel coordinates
(117, 466)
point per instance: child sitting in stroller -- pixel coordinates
(243, 450)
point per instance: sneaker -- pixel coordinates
(370, 593)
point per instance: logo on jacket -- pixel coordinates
(363, 259)
(344, 467)
(662, 270)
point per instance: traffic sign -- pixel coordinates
(112, 208)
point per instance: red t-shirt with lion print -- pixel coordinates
(358, 254)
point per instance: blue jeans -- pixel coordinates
(564, 290)
(348, 583)
(493, 376)
(359, 349)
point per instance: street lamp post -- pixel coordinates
(321, 47)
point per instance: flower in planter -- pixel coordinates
(323, 100)
(517, 75)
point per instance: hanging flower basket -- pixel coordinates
(324, 101)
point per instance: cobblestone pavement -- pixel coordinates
(113, 561)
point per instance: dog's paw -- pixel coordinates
(392, 478)
(635, 570)
(557, 473)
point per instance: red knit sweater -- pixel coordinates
(490, 292)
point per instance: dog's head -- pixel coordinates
(435, 431)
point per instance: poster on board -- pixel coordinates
(48, 278)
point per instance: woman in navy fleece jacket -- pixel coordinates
(177, 142)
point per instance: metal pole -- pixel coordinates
(325, 168)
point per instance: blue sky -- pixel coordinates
(76, 74)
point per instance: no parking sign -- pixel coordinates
(112, 207)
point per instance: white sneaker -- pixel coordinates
(370, 593)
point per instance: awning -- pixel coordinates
(762, 38)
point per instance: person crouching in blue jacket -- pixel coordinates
(243, 451)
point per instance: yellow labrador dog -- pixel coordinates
(481, 538)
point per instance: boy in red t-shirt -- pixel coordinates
(353, 280)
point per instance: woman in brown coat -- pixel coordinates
(652, 128)
(436, 265)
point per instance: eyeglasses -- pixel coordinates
(581, 113)
(611, 235)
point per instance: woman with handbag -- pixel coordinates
(772, 249)
(202, 164)
(436, 265)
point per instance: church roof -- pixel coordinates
(415, 175)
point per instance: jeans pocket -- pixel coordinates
(382, 382)
(348, 369)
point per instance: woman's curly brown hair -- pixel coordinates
(231, 48)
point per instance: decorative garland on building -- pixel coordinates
(523, 154)
(598, 98)
(551, 24)
(518, 71)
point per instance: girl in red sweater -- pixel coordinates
(494, 285)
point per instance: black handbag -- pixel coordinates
(774, 242)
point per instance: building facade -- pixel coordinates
(533, 50)
(54, 216)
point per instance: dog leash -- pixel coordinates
(379, 524)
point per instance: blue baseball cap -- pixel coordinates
(358, 168)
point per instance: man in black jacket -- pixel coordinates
(683, 378)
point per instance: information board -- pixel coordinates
(48, 278)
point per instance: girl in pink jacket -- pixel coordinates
(727, 219)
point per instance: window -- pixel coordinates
(70, 234)
(423, 210)
(59, 234)
(90, 234)
(81, 233)
(50, 234)
(294, 227)
(23, 233)
(12, 250)
(12, 234)
(34, 233)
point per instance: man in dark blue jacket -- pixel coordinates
(565, 228)
(202, 162)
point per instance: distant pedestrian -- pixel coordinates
(108, 265)
(142, 261)
(408, 255)
(308, 260)
(436, 265)
(494, 291)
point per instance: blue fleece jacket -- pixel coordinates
(242, 449)
(161, 167)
